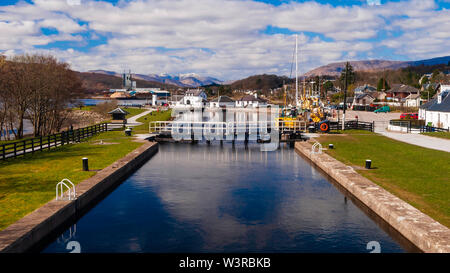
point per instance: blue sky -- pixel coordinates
(228, 39)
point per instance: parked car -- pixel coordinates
(409, 116)
(383, 109)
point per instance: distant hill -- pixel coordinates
(260, 82)
(103, 81)
(182, 80)
(334, 69)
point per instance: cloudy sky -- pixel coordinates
(228, 39)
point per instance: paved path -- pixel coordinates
(420, 140)
(133, 120)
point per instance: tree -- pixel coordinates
(350, 76)
(328, 86)
(15, 86)
(38, 87)
(436, 76)
(383, 85)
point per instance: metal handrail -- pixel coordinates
(158, 126)
(318, 146)
(71, 190)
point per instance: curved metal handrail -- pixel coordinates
(318, 146)
(71, 190)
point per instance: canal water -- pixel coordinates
(200, 198)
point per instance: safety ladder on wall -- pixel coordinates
(71, 193)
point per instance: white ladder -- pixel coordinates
(319, 148)
(71, 194)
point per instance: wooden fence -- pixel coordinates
(31, 145)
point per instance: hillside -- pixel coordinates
(261, 82)
(96, 82)
(334, 69)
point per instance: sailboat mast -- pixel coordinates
(296, 69)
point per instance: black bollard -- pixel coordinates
(330, 146)
(85, 164)
(368, 163)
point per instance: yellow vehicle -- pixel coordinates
(289, 118)
(315, 117)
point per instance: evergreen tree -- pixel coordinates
(328, 86)
(383, 85)
(350, 76)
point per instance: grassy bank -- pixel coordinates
(445, 135)
(153, 116)
(417, 175)
(29, 182)
(134, 111)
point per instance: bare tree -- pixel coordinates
(37, 87)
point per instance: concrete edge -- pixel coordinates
(31, 229)
(421, 230)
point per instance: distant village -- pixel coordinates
(435, 110)
(190, 97)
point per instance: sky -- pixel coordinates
(226, 39)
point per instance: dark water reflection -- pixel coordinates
(199, 198)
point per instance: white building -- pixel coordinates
(250, 101)
(437, 111)
(222, 101)
(413, 100)
(195, 98)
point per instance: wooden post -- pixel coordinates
(40, 138)
(15, 149)
(32, 145)
(4, 151)
(49, 141)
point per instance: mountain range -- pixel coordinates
(98, 79)
(335, 69)
(181, 80)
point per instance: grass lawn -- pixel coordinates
(445, 135)
(153, 116)
(26, 183)
(134, 111)
(415, 174)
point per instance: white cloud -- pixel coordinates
(221, 38)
